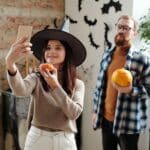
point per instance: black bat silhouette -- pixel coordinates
(46, 27)
(116, 5)
(79, 5)
(55, 23)
(92, 41)
(89, 22)
(109, 44)
(71, 20)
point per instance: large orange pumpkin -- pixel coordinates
(122, 77)
(46, 66)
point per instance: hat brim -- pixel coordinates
(38, 42)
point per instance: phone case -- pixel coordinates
(24, 31)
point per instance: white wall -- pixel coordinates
(89, 70)
(140, 8)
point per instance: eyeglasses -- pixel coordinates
(123, 27)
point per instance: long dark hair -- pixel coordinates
(69, 73)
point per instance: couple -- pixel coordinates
(58, 96)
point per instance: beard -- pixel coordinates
(120, 40)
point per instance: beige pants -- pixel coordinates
(38, 139)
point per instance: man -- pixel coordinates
(121, 112)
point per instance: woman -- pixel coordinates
(57, 96)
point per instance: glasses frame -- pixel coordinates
(123, 27)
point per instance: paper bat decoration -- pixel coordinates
(71, 20)
(55, 23)
(109, 44)
(58, 24)
(79, 5)
(89, 22)
(116, 5)
(92, 41)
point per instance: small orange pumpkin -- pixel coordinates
(122, 77)
(46, 66)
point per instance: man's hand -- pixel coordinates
(121, 89)
(94, 118)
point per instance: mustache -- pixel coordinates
(120, 34)
(120, 39)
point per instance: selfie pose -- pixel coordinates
(57, 94)
(120, 107)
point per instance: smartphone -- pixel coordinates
(24, 31)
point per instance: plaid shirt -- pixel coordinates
(132, 109)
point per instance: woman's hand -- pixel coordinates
(18, 50)
(50, 77)
(121, 89)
